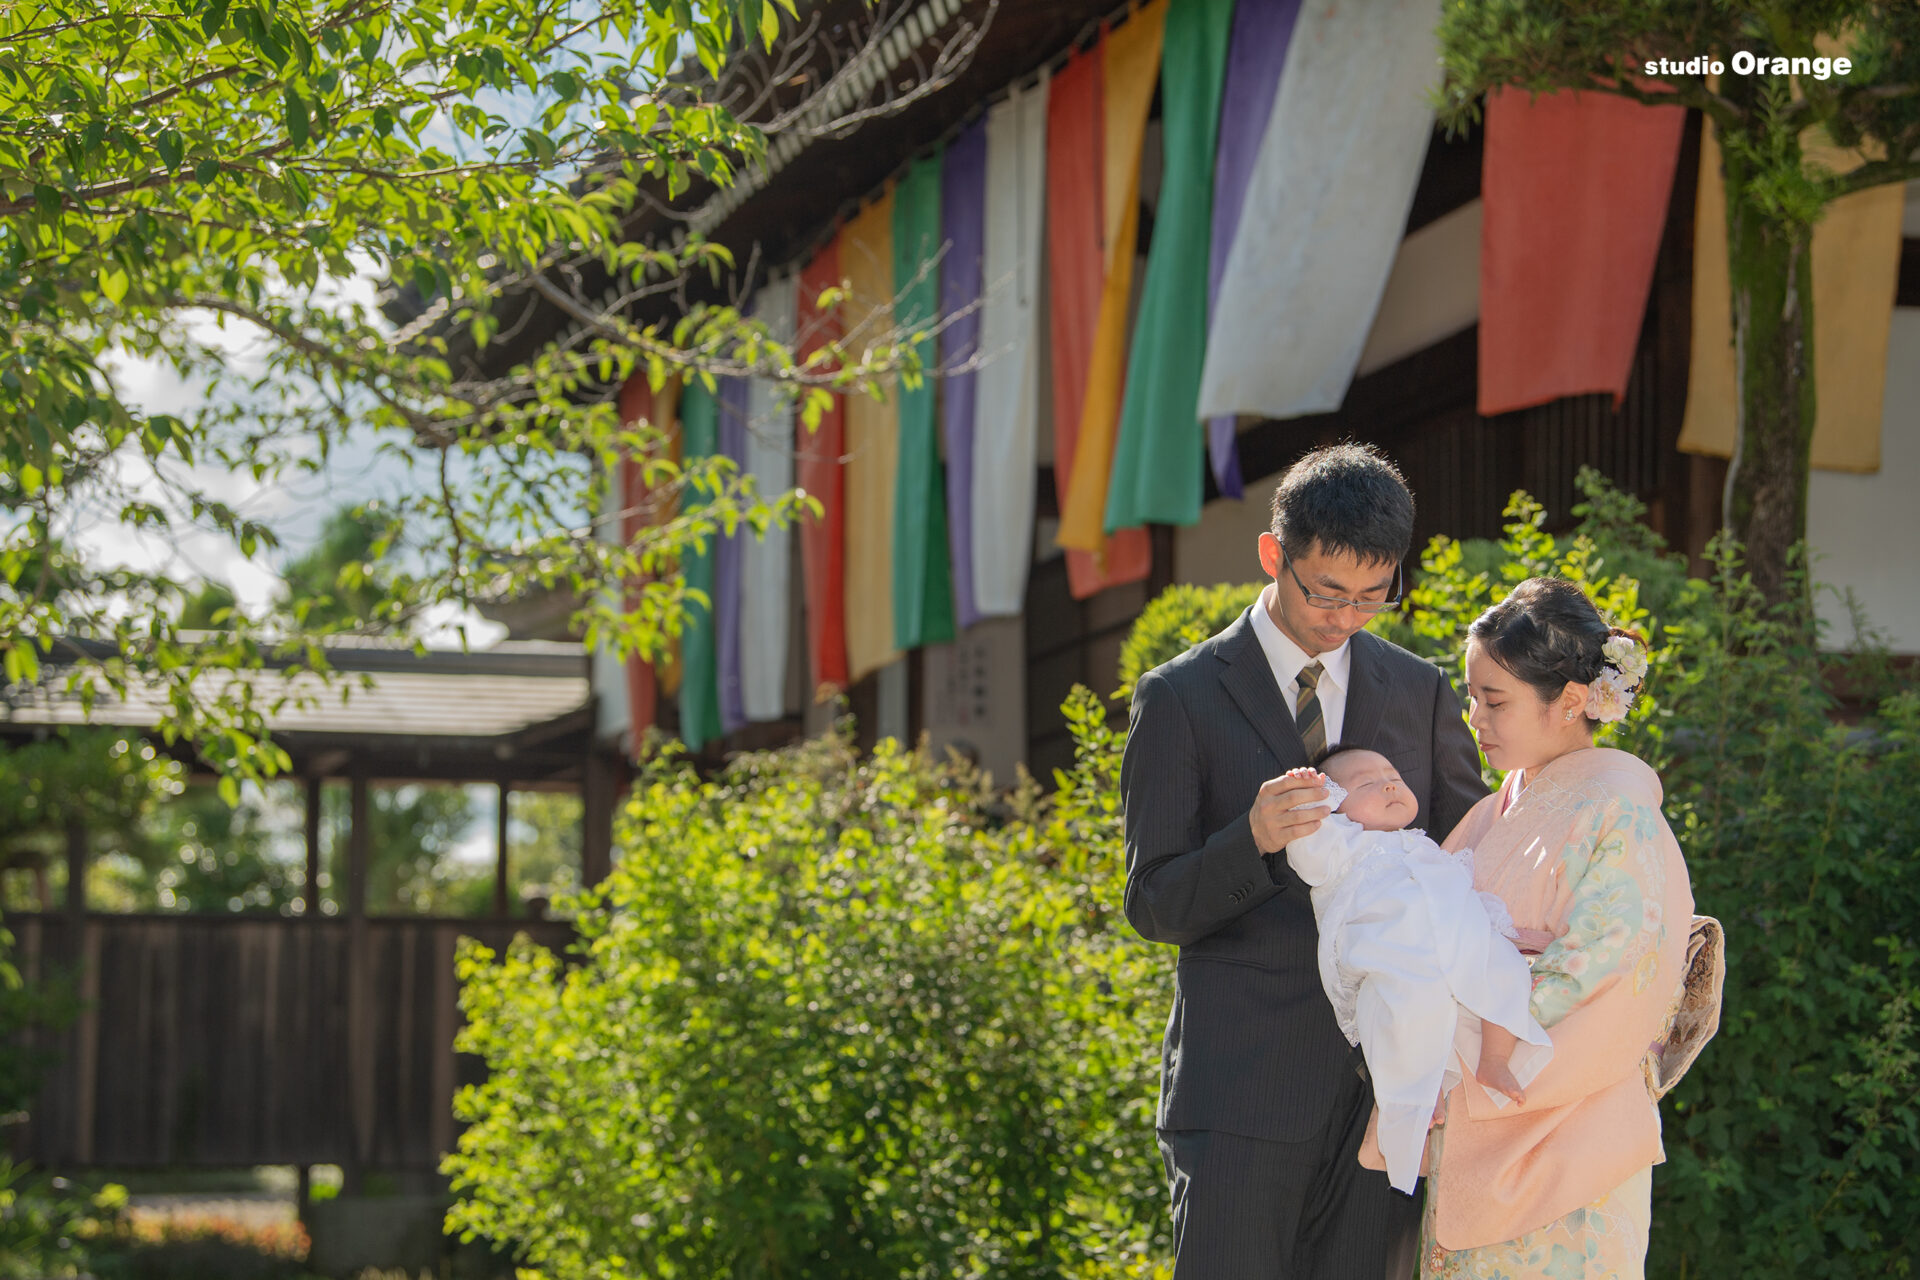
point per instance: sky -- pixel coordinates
(296, 505)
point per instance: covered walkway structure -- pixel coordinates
(221, 1040)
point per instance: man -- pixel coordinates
(1262, 1102)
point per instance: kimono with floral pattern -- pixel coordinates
(1557, 1187)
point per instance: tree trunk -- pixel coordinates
(1769, 265)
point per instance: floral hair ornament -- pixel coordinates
(1614, 690)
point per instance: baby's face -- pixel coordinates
(1377, 798)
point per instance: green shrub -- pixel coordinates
(833, 1016)
(1622, 564)
(1176, 620)
(48, 1226)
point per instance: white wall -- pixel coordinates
(974, 695)
(1434, 291)
(612, 717)
(1223, 547)
(1865, 530)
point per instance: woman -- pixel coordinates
(1556, 1186)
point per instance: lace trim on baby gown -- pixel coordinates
(1497, 913)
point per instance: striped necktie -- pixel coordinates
(1306, 715)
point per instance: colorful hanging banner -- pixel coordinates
(1160, 446)
(1255, 54)
(766, 572)
(728, 562)
(1076, 263)
(1132, 66)
(699, 692)
(1576, 187)
(1304, 277)
(963, 218)
(642, 506)
(1076, 267)
(873, 433)
(1128, 62)
(922, 572)
(821, 473)
(1856, 276)
(1006, 428)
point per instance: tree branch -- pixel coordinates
(1876, 173)
(320, 353)
(1687, 92)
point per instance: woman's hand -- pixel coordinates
(1533, 941)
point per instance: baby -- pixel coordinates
(1419, 966)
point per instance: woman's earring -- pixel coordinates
(1569, 715)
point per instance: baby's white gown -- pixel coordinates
(1413, 959)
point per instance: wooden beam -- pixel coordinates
(1160, 575)
(360, 1003)
(86, 1032)
(359, 847)
(1670, 318)
(326, 764)
(310, 891)
(597, 787)
(500, 850)
(86, 1042)
(76, 879)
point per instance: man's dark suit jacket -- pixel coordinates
(1252, 1047)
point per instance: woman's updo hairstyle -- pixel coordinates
(1548, 634)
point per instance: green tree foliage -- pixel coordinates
(344, 582)
(203, 854)
(1776, 191)
(200, 853)
(413, 830)
(1610, 552)
(209, 607)
(50, 1227)
(544, 830)
(200, 183)
(102, 783)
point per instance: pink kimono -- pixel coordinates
(1583, 853)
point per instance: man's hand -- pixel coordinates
(1287, 808)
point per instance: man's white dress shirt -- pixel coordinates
(1287, 660)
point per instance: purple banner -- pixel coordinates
(727, 565)
(963, 214)
(1255, 53)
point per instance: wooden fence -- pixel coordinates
(221, 1041)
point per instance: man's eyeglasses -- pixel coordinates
(1330, 603)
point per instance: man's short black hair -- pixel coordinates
(1345, 498)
